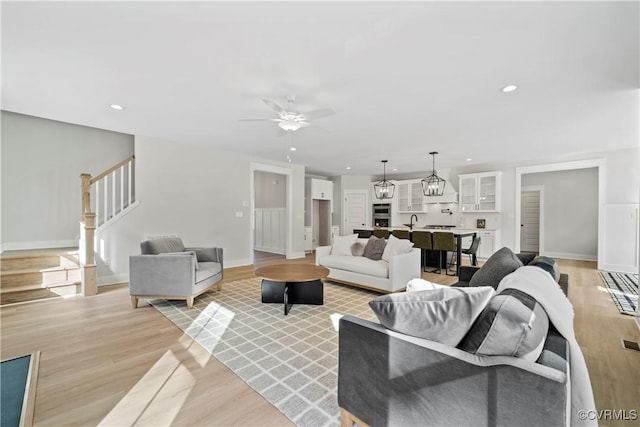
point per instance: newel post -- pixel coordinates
(87, 233)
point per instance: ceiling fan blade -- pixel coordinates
(274, 106)
(259, 120)
(318, 114)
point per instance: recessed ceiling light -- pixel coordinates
(292, 149)
(348, 168)
(468, 160)
(394, 169)
(116, 107)
(509, 88)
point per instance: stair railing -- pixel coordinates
(113, 193)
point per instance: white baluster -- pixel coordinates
(122, 188)
(106, 199)
(129, 179)
(113, 194)
(97, 198)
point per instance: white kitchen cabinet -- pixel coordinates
(409, 196)
(308, 239)
(488, 243)
(321, 189)
(335, 231)
(480, 192)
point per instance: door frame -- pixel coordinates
(600, 164)
(540, 190)
(367, 208)
(288, 173)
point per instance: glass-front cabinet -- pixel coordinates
(410, 197)
(480, 192)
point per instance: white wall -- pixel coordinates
(270, 190)
(194, 192)
(570, 212)
(41, 165)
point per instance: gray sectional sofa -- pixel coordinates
(502, 353)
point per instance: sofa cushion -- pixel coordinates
(163, 245)
(395, 246)
(512, 324)
(501, 263)
(356, 264)
(183, 253)
(547, 264)
(208, 269)
(375, 248)
(443, 315)
(342, 244)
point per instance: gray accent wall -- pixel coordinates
(570, 212)
(41, 165)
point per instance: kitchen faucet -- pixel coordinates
(411, 221)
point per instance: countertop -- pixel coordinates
(422, 228)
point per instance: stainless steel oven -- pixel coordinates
(381, 214)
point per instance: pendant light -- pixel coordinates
(384, 189)
(433, 185)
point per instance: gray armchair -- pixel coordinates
(165, 269)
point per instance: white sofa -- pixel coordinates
(381, 276)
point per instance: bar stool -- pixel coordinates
(381, 234)
(443, 241)
(400, 234)
(422, 240)
(472, 250)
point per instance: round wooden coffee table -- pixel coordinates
(290, 284)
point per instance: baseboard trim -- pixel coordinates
(578, 257)
(45, 244)
(295, 255)
(113, 279)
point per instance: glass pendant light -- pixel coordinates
(384, 189)
(433, 185)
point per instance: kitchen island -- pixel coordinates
(458, 233)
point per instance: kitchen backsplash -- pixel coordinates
(435, 216)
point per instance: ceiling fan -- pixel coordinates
(288, 119)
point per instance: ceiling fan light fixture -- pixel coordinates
(433, 185)
(384, 189)
(289, 125)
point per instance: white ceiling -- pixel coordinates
(405, 78)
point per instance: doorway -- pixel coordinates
(355, 210)
(284, 216)
(532, 219)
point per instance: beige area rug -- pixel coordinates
(290, 360)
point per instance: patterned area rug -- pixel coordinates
(290, 360)
(623, 289)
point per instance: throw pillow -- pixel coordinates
(443, 315)
(501, 263)
(526, 257)
(375, 248)
(422, 285)
(547, 264)
(512, 324)
(358, 247)
(342, 244)
(396, 246)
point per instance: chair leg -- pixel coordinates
(454, 263)
(190, 302)
(134, 301)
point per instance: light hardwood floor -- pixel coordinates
(103, 363)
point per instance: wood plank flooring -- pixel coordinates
(104, 363)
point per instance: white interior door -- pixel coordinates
(530, 219)
(355, 211)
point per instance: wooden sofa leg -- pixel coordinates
(134, 301)
(190, 302)
(219, 286)
(347, 419)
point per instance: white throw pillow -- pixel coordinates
(342, 244)
(396, 246)
(422, 285)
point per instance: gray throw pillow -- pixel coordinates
(547, 264)
(443, 315)
(375, 248)
(501, 263)
(512, 324)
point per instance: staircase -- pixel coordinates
(31, 275)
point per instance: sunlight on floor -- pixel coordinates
(159, 395)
